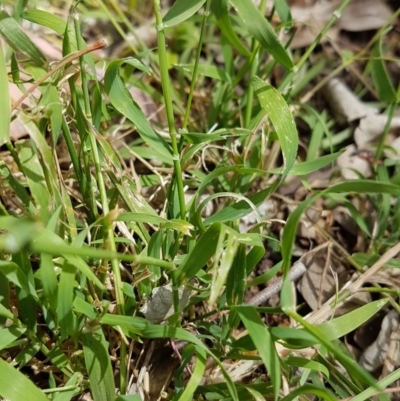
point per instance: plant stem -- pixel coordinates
(196, 64)
(166, 86)
(106, 210)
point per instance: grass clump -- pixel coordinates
(126, 258)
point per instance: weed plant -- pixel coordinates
(83, 250)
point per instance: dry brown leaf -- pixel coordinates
(374, 356)
(322, 278)
(350, 162)
(359, 15)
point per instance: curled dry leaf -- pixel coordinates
(359, 15)
(350, 163)
(374, 356)
(322, 278)
(160, 305)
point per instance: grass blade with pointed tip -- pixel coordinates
(261, 30)
(264, 343)
(180, 11)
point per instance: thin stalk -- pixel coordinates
(104, 202)
(253, 70)
(166, 86)
(196, 65)
(381, 144)
(117, 26)
(314, 44)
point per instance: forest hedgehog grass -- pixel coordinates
(86, 257)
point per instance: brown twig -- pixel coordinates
(94, 46)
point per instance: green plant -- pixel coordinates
(82, 249)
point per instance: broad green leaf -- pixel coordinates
(199, 256)
(5, 101)
(15, 386)
(278, 112)
(380, 74)
(264, 343)
(122, 100)
(17, 39)
(66, 295)
(128, 398)
(44, 18)
(98, 365)
(259, 27)
(181, 10)
(220, 10)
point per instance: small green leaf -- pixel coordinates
(181, 10)
(17, 39)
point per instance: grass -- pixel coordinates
(104, 258)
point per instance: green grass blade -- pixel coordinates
(122, 100)
(181, 10)
(261, 30)
(98, 365)
(197, 375)
(264, 343)
(380, 75)
(198, 257)
(15, 386)
(17, 39)
(278, 111)
(5, 101)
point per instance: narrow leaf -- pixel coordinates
(261, 30)
(181, 10)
